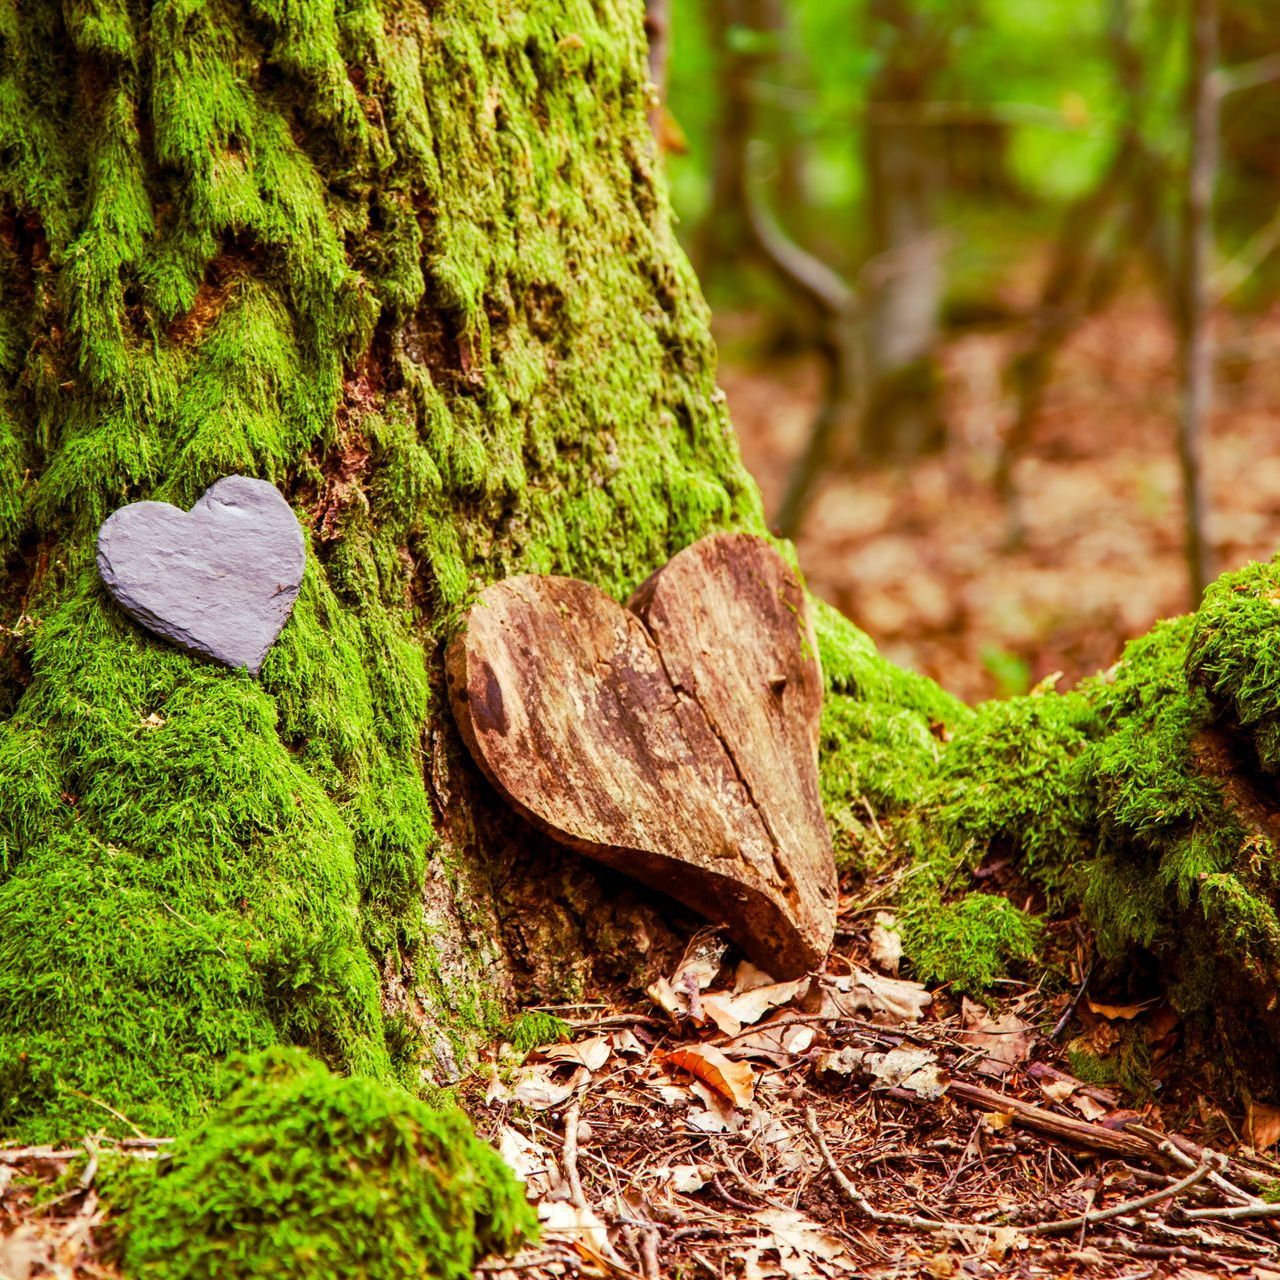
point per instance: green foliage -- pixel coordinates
(533, 1029)
(1234, 654)
(299, 1173)
(970, 942)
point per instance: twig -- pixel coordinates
(1080, 1133)
(570, 1155)
(1069, 1012)
(1235, 1212)
(1189, 1154)
(649, 1255)
(1116, 1211)
(90, 1170)
(864, 1206)
(97, 1102)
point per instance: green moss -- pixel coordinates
(1234, 654)
(529, 1031)
(1012, 781)
(1127, 1065)
(969, 943)
(299, 1173)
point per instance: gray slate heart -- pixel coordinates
(219, 580)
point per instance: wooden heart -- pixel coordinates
(219, 580)
(675, 739)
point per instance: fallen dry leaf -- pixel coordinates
(592, 1053)
(733, 1012)
(684, 1178)
(890, 1002)
(1119, 1012)
(538, 1088)
(804, 1248)
(1262, 1125)
(582, 1228)
(748, 976)
(734, 1080)
(1088, 1107)
(908, 1067)
(886, 944)
(1057, 1090)
(1004, 1041)
(776, 1042)
(530, 1161)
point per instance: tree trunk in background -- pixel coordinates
(657, 31)
(416, 269)
(748, 38)
(905, 169)
(1195, 341)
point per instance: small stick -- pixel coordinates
(649, 1255)
(1188, 1154)
(1069, 1012)
(571, 1116)
(1116, 1211)
(1092, 1137)
(1259, 1209)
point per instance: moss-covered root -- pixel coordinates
(302, 1173)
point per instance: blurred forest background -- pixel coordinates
(997, 291)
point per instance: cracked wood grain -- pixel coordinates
(674, 739)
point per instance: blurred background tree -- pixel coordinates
(892, 201)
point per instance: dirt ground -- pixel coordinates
(918, 557)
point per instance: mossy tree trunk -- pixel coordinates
(412, 264)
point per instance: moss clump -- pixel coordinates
(1180, 868)
(968, 943)
(1014, 780)
(1234, 654)
(532, 1030)
(299, 1173)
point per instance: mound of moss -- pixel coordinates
(300, 1173)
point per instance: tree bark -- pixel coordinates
(1195, 349)
(905, 169)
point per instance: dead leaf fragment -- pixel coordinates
(733, 1012)
(890, 1002)
(804, 1247)
(592, 1053)
(1004, 1041)
(734, 1080)
(1119, 1012)
(908, 1067)
(886, 944)
(1262, 1125)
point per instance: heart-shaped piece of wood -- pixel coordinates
(675, 739)
(219, 580)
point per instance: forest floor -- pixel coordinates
(855, 1125)
(918, 555)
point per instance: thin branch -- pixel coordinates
(1245, 75)
(573, 1113)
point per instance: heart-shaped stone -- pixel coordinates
(219, 580)
(675, 739)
